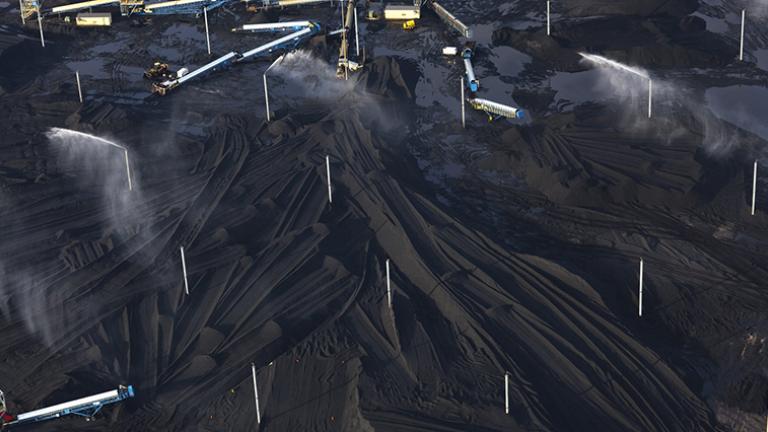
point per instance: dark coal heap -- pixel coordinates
(513, 247)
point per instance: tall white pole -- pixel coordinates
(650, 97)
(640, 290)
(266, 96)
(463, 120)
(256, 393)
(741, 44)
(40, 25)
(184, 269)
(21, 12)
(79, 89)
(328, 176)
(207, 36)
(548, 20)
(128, 170)
(357, 36)
(754, 188)
(389, 287)
(506, 393)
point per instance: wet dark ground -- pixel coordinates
(588, 182)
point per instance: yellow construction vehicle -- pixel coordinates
(409, 25)
(159, 72)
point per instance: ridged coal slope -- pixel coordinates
(281, 278)
(538, 281)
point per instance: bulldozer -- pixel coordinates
(159, 72)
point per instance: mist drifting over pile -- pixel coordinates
(317, 78)
(102, 170)
(102, 166)
(20, 287)
(628, 86)
(756, 8)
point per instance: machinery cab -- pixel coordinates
(158, 72)
(5, 417)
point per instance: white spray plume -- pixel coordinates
(317, 80)
(629, 86)
(95, 163)
(625, 84)
(21, 293)
(603, 61)
(756, 8)
(315, 76)
(61, 133)
(68, 135)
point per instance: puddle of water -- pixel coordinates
(762, 58)
(575, 87)
(715, 25)
(109, 47)
(599, 85)
(93, 68)
(743, 106)
(173, 56)
(434, 87)
(733, 18)
(507, 8)
(483, 33)
(508, 61)
(183, 32)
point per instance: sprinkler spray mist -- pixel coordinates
(606, 62)
(602, 61)
(64, 134)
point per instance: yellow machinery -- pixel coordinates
(29, 8)
(409, 25)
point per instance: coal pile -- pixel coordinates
(513, 247)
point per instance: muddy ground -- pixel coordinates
(514, 247)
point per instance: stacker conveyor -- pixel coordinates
(85, 407)
(140, 7)
(496, 109)
(472, 82)
(289, 41)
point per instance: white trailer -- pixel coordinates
(93, 19)
(400, 12)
